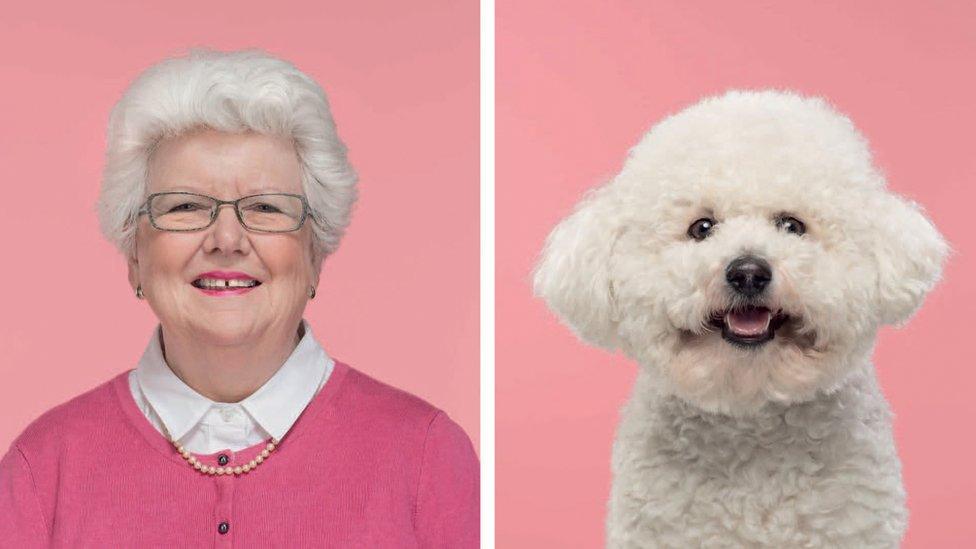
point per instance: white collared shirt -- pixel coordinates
(203, 426)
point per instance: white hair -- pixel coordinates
(234, 92)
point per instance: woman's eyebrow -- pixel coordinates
(211, 192)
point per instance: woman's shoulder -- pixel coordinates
(369, 405)
(77, 417)
(368, 397)
(375, 395)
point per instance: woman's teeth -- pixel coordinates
(220, 284)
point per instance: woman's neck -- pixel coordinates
(227, 373)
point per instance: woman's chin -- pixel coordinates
(224, 328)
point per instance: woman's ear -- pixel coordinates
(133, 266)
(315, 267)
(909, 253)
(573, 272)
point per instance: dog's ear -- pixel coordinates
(909, 253)
(573, 272)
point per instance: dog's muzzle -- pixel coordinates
(753, 324)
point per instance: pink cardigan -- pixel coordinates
(365, 465)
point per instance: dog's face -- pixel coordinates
(747, 252)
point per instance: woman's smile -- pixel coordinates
(228, 291)
(223, 284)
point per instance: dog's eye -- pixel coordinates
(701, 228)
(791, 225)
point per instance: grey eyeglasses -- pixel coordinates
(185, 211)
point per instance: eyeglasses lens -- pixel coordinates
(187, 212)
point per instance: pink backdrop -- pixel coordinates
(400, 298)
(579, 82)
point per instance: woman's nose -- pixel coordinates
(227, 234)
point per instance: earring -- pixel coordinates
(311, 292)
(139, 294)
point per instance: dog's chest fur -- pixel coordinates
(818, 474)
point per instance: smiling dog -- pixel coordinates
(746, 256)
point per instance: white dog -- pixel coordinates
(745, 257)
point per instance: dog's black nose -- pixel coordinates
(748, 275)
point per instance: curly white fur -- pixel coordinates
(788, 444)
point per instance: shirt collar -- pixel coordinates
(274, 406)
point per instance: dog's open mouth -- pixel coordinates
(749, 326)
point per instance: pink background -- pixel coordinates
(399, 300)
(578, 83)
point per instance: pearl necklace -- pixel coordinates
(211, 470)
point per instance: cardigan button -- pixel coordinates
(223, 527)
(222, 459)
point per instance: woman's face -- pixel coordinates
(225, 166)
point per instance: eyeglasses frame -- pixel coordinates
(144, 209)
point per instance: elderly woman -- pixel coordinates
(225, 187)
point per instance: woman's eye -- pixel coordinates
(791, 225)
(265, 208)
(185, 207)
(701, 228)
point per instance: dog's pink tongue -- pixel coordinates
(750, 322)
